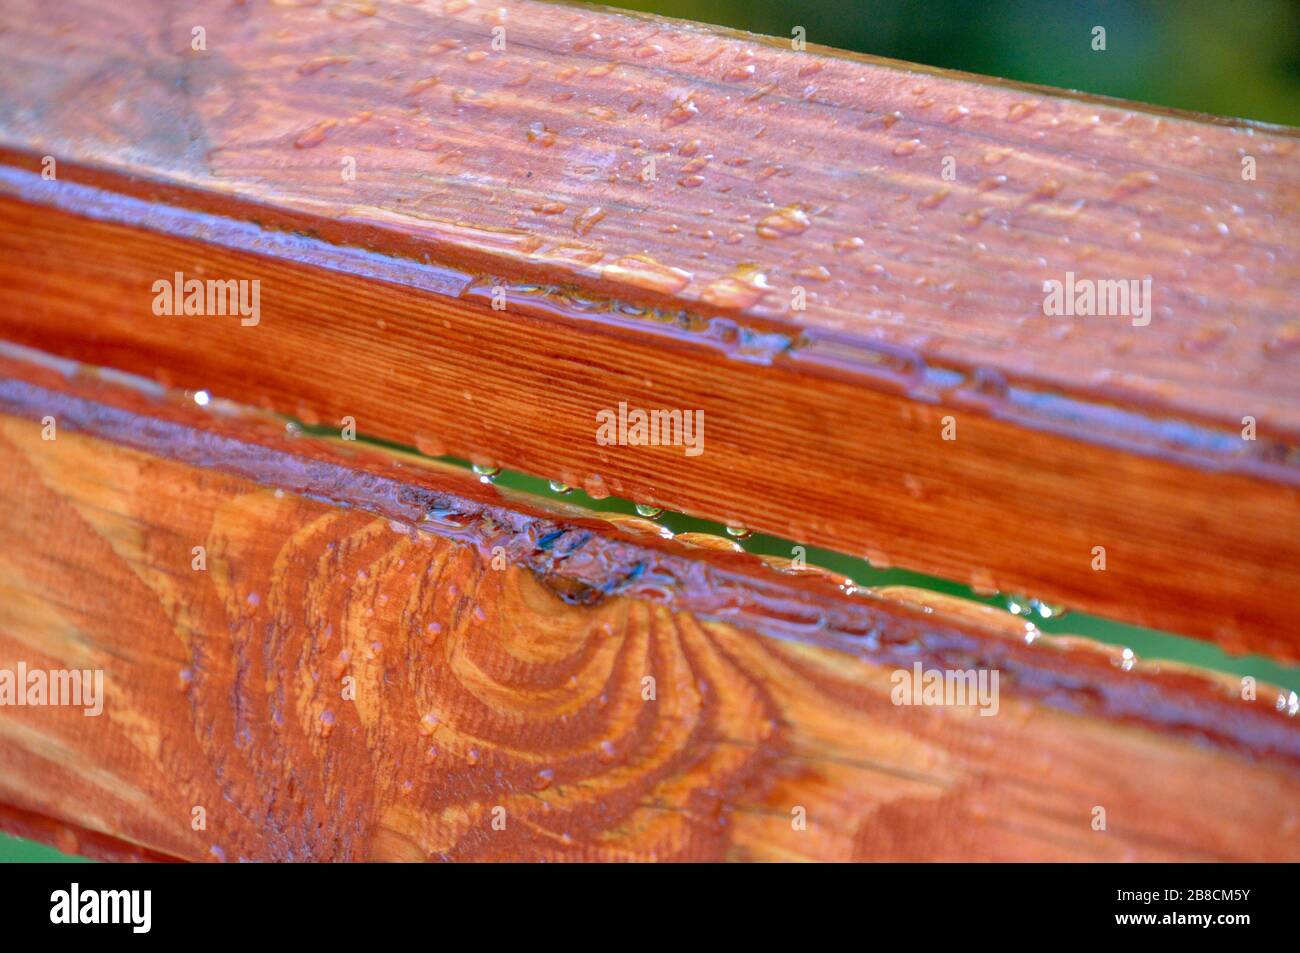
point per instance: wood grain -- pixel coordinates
(522, 169)
(518, 684)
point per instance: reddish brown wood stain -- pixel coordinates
(999, 507)
(496, 163)
(479, 688)
(518, 685)
(774, 169)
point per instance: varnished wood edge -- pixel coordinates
(1139, 425)
(585, 559)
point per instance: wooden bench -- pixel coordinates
(496, 233)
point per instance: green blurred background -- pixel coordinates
(1227, 57)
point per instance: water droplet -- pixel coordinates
(813, 273)
(738, 532)
(1017, 605)
(595, 487)
(709, 541)
(683, 110)
(1021, 110)
(428, 724)
(907, 147)
(1047, 610)
(572, 254)
(648, 511)
(1048, 188)
(320, 62)
(743, 288)
(314, 135)
(1135, 182)
(558, 486)
(326, 723)
(464, 96)
(644, 272)
(430, 446)
(486, 472)
(791, 220)
(878, 559)
(586, 220)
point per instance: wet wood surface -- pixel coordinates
(384, 659)
(779, 176)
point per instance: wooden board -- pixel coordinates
(522, 169)
(498, 651)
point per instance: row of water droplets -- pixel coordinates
(1032, 612)
(650, 519)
